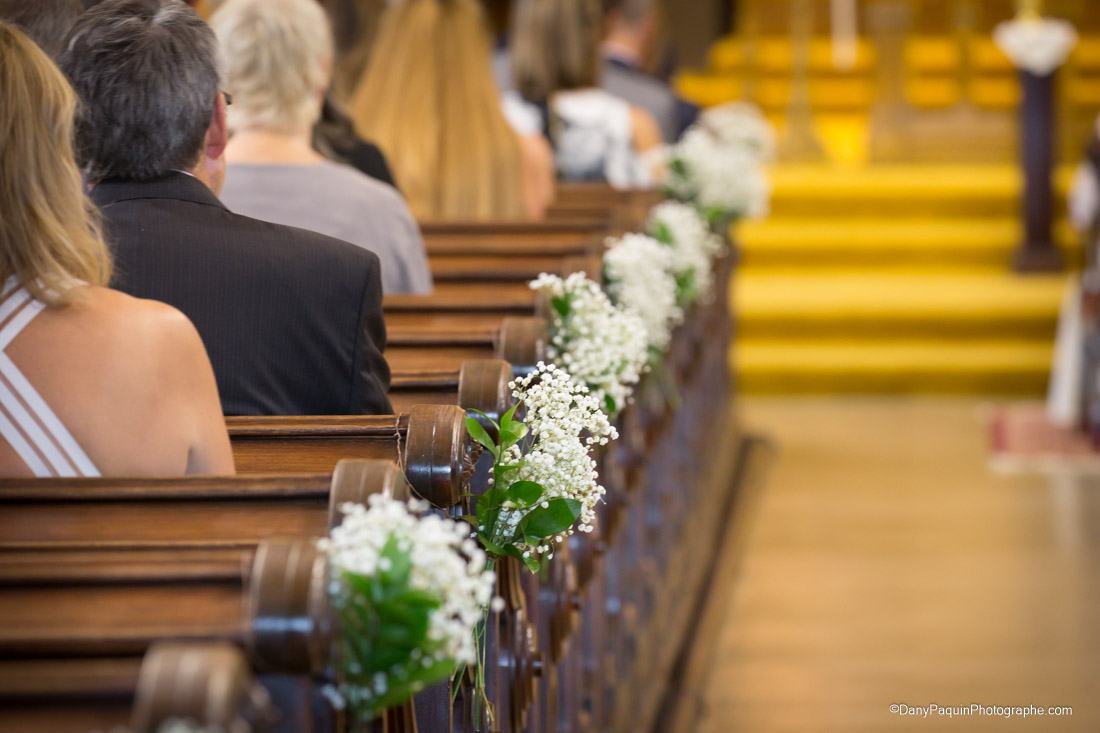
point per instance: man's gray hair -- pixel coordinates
(146, 72)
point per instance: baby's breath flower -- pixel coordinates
(639, 277)
(559, 412)
(599, 344)
(445, 564)
(693, 247)
(740, 124)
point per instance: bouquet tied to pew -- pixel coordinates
(599, 344)
(409, 590)
(692, 247)
(638, 276)
(718, 165)
(544, 482)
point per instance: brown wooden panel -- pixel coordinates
(110, 619)
(199, 521)
(262, 455)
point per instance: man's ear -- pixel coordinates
(217, 135)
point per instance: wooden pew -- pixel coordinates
(87, 603)
(332, 434)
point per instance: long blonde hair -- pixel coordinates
(428, 99)
(49, 230)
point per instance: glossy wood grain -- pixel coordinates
(889, 566)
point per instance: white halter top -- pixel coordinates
(27, 423)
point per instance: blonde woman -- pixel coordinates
(428, 99)
(277, 56)
(556, 64)
(92, 382)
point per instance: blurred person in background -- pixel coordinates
(428, 99)
(555, 57)
(277, 55)
(631, 32)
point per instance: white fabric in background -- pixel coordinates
(1064, 390)
(596, 140)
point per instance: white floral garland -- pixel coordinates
(445, 563)
(693, 246)
(638, 271)
(743, 125)
(725, 180)
(600, 345)
(565, 421)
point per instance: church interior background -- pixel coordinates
(928, 533)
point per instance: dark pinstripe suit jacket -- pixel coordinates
(292, 319)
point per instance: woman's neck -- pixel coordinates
(255, 145)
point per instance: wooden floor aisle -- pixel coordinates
(887, 566)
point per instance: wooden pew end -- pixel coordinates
(291, 628)
(483, 389)
(354, 480)
(523, 343)
(207, 683)
(439, 454)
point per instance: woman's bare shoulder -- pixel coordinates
(139, 325)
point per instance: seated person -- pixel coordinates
(92, 381)
(277, 55)
(292, 319)
(435, 111)
(45, 21)
(631, 29)
(596, 136)
(334, 137)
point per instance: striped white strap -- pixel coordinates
(28, 424)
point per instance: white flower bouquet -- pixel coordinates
(718, 164)
(742, 125)
(409, 590)
(680, 227)
(598, 344)
(726, 182)
(544, 477)
(638, 275)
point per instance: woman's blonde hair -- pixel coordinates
(277, 55)
(49, 230)
(555, 46)
(428, 99)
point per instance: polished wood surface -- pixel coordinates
(888, 565)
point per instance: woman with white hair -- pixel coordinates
(278, 55)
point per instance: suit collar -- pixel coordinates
(175, 185)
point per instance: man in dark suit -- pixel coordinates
(292, 320)
(630, 31)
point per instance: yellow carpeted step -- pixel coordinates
(885, 242)
(969, 191)
(974, 367)
(865, 304)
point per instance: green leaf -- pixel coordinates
(481, 509)
(562, 305)
(511, 434)
(531, 562)
(524, 493)
(557, 516)
(609, 405)
(492, 548)
(662, 233)
(509, 417)
(472, 520)
(478, 433)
